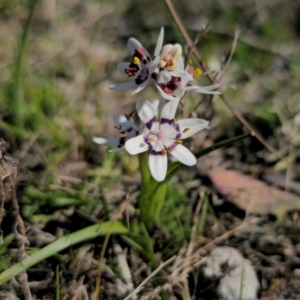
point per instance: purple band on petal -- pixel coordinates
(165, 120)
(150, 123)
(147, 141)
(157, 153)
(178, 136)
(176, 127)
(172, 147)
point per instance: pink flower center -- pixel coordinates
(160, 135)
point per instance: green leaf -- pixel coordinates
(61, 244)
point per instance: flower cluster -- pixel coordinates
(158, 132)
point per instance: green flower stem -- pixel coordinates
(61, 244)
(151, 201)
(143, 160)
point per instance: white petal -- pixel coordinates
(155, 104)
(165, 95)
(165, 50)
(140, 103)
(153, 66)
(184, 155)
(133, 44)
(141, 86)
(107, 141)
(124, 86)
(169, 110)
(180, 64)
(189, 127)
(185, 76)
(159, 42)
(176, 52)
(203, 89)
(120, 119)
(170, 54)
(179, 91)
(158, 162)
(146, 112)
(163, 77)
(137, 145)
(161, 105)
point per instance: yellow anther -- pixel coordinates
(152, 140)
(163, 150)
(155, 119)
(189, 62)
(136, 60)
(197, 72)
(186, 130)
(122, 132)
(118, 127)
(170, 63)
(179, 142)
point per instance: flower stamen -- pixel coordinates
(136, 60)
(197, 72)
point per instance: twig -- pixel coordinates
(224, 67)
(101, 259)
(195, 225)
(16, 208)
(188, 40)
(20, 223)
(141, 286)
(197, 39)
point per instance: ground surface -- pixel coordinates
(54, 98)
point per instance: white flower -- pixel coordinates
(141, 67)
(171, 84)
(163, 134)
(127, 130)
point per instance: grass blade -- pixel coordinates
(59, 245)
